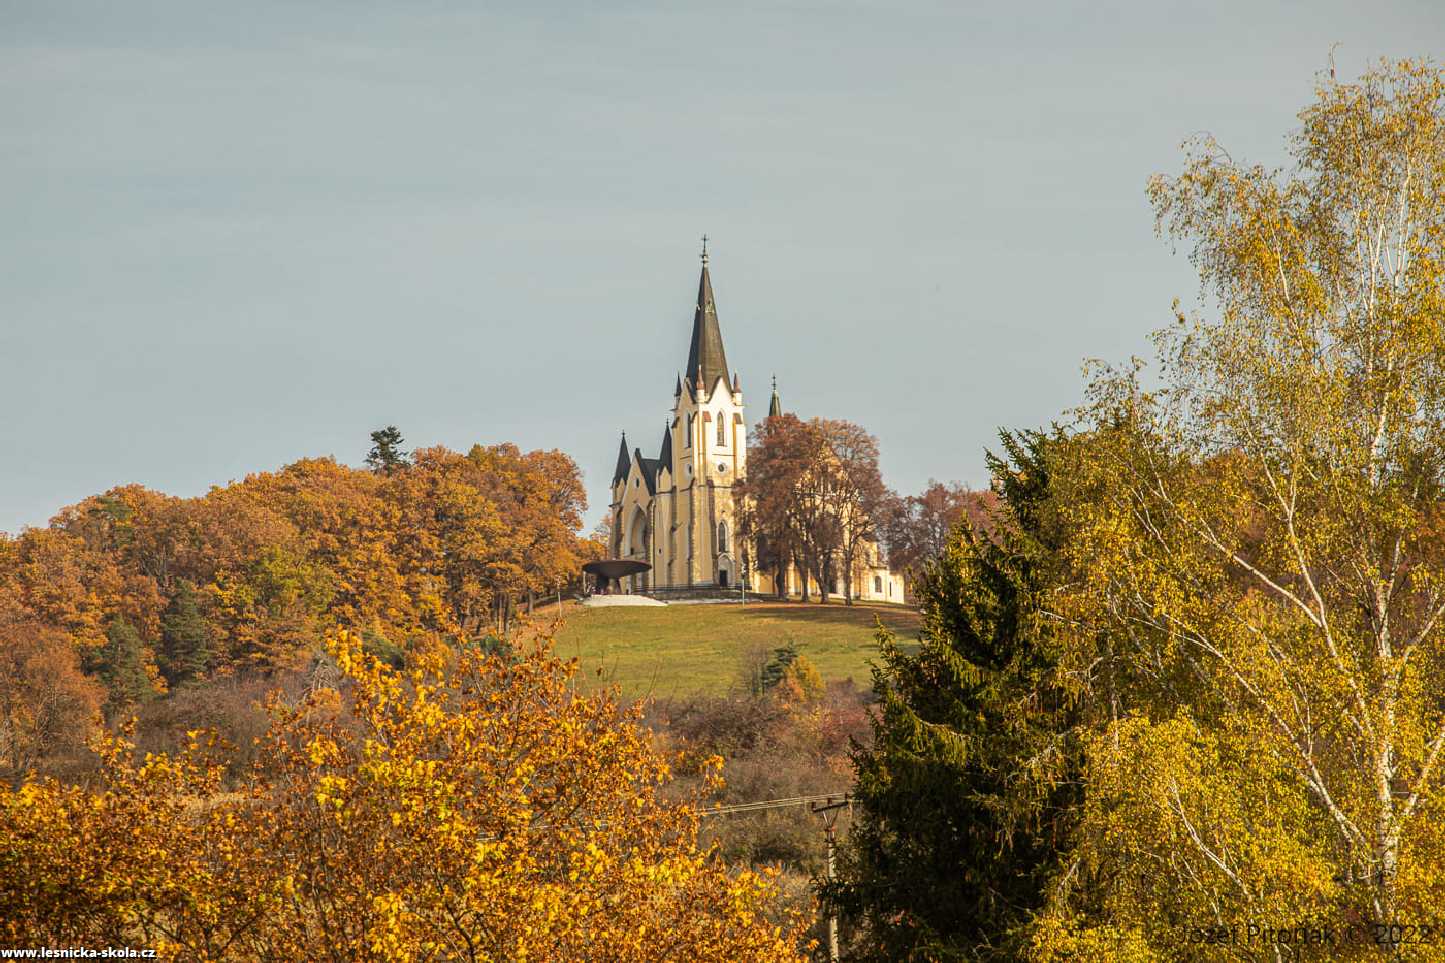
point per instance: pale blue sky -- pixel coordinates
(234, 235)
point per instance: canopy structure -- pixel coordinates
(608, 571)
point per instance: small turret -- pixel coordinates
(664, 457)
(624, 461)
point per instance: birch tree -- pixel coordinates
(1264, 562)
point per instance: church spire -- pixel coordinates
(624, 461)
(775, 407)
(705, 358)
(664, 457)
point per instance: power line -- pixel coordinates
(757, 806)
(763, 805)
(830, 800)
(826, 805)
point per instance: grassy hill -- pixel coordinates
(687, 649)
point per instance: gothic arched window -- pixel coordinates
(722, 536)
(722, 439)
(687, 443)
(638, 535)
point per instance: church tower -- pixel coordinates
(677, 511)
(709, 450)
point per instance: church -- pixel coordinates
(678, 512)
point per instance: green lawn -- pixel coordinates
(688, 649)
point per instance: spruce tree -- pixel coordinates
(120, 663)
(185, 649)
(960, 798)
(777, 667)
(387, 455)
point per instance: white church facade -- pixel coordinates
(678, 511)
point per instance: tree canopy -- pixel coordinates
(813, 497)
(1191, 679)
(1256, 613)
(469, 808)
(252, 576)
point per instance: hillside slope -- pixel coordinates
(687, 649)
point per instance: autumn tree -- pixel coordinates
(449, 543)
(273, 607)
(783, 448)
(471, 808)
(66, 584)
(261, 569)
(347, 523)
(856, 495)
(917, 528)
(1256, 624)
(539, 498)
(812, 497)
(817, 532)
(47, 706)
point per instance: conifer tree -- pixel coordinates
(963, 791)
(386, 454)
(185, 650)
(120, 663)
(777, 667)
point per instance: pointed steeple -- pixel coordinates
(775, 407)
(624, 461)
(664, 457)
(677, 392)
(705, 358)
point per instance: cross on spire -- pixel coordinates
(706, 361)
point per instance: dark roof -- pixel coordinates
(624, 461)
(775, 407)
(664, 458)
(649, 472)
(705, 355)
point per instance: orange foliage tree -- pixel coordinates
(444, 544)
(47, 707)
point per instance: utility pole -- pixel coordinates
(829, 808)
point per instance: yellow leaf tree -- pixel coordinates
(472, 807)
(1260, 570)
